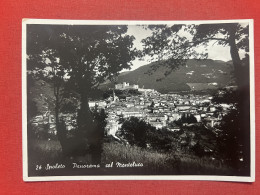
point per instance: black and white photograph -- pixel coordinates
(138, 100)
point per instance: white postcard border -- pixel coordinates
(250, 178)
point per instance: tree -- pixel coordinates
(229, 140)
(198, 149)
(88, 55)
(175, 44)
(135, 131)
(226, 96)
(186, 119)
(96, 143)
(161, 139)
(173, 48)
(32, 109)
(43, 64)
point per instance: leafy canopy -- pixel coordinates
(92, 53)
(173, 45)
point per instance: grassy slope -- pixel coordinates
(42, 152)
(163, 163)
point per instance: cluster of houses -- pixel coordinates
(159, 110)
(47, 122)
(45, 119)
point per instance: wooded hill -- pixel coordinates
(205, 72)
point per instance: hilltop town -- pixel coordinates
(160, 110)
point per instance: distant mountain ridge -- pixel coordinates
(215, 73)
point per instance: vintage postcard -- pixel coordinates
(138, 100)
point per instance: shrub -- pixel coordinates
(135, 131)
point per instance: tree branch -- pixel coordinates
(208, 39)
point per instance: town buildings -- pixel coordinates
(162, 110)
(159, 110)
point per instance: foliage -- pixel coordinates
(198, 149)
(176, 81)
(91, 52)
(49, 152)
(32, 109)
(83, 56)
(175, 44)
(226, 96)
(162, 140)
(135, 131)
(229, 139)
(233, 132)
(189, 118)
(193, 140)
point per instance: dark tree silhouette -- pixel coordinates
(229, 139)
(43, 64)
(226, 96)
(169, 45)
(186, 119)
(87, 55)
(198, 149)
(135, 131)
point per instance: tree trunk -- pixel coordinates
(85, 118)
(242, 79)
(88, 127)
(60, 127)
(239, 74)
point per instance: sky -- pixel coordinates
(215, 52)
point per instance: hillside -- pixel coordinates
(196, 75)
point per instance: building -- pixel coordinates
(175, 116)
(157, 117)
(91, 104)
(198, 117)
(112, 127)
(182, 107)
(174, 128)
(157, 125)
(124, 85)
(127, 114)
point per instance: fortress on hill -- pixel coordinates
(125, 85)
